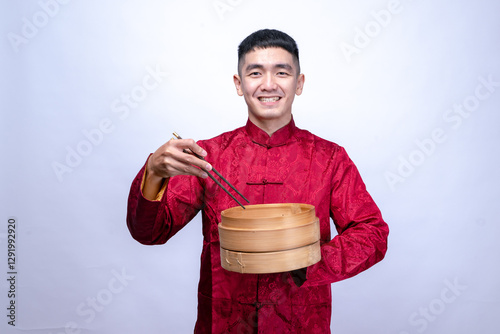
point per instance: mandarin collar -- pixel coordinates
(280, 137)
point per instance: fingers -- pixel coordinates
(193, 147)
(188, 146)
(174, 158)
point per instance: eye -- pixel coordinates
(283, 74)
(254, 74)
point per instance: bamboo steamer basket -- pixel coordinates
(269, 238)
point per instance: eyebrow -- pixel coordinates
(259, 66)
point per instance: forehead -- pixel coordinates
(268, 57)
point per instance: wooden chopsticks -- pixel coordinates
(218, 174)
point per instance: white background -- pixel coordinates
(66, 70)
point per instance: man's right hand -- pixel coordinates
(170, 160)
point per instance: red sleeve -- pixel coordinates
(155, 222)
(362, 233)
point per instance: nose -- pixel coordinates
(268, 83)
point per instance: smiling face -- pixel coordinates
(269, 80)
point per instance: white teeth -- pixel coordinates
(269, 99)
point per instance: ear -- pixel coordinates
(300, 84)
(237, 84)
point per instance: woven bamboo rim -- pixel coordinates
(268, 216)
(271, 262)
(267, 240)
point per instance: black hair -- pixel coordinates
(268, 38)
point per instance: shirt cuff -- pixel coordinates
(160, 193)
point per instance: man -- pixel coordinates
(269, 160)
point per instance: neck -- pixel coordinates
(270, 126)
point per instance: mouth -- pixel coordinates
(269, 99)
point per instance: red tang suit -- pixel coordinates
(291, 166)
